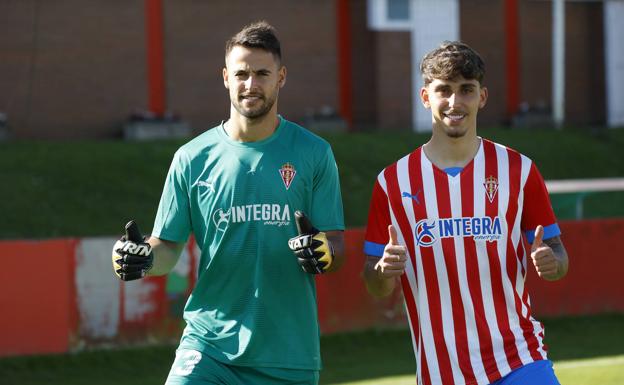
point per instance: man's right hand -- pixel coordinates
(132, 256)
(392, 262)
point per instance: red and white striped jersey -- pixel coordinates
(468, 308)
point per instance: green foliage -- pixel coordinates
(90, 188)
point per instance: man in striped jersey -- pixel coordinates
(447, 220)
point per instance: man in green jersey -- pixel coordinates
(252, 316)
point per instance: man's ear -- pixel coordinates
(281, 76)
(483, 97)
(424, 97)
(225, 78)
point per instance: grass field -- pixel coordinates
(90, 188)
(586, 351)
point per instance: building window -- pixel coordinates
(389, 15)
(398, 10)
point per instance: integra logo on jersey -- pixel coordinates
(271, 214)
(428, 231)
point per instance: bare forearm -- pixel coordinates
(166, 255)
(376, 284)
(561, 257)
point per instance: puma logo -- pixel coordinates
(208, 185)
(414, 197)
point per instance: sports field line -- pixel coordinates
(593, 362)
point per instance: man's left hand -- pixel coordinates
(314, 252)
(544, 260)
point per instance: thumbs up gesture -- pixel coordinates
(314, 252)
(132, 255)
(392, 262)
(543, 256)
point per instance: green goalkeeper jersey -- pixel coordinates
(252, 304)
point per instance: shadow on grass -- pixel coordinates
(377, 354)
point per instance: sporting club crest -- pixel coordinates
(491, 187)
(287, 172)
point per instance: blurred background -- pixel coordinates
(95, 97)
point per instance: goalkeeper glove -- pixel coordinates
(314, 252)
(132, 256)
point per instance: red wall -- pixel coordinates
(344, 304)
(40, 312)
(594, 283)
(36, 296)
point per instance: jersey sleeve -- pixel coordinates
(376, 236)
(537, 208)
(327, 211)
(173, 220)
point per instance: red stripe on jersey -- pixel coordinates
(395, 197)
(413, 166)
(498, 290)
(431, 278)
(450, 259)
(528, 329)
(413, 314)
(513, 264)
(537, 355)
(474, 283)
(396, 205)
(415, 179)
(537, 209)
(425, 376)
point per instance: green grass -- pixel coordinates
(607, 370)
(90, 188)
(586, 350)
(79, 188)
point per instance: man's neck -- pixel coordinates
(446, 152)
(242, 129)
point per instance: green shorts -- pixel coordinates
(191, 367)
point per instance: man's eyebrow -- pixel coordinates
(441, 87)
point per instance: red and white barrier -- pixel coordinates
(61, 295)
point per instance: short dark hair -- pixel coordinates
(450, 60)
(259, 34)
